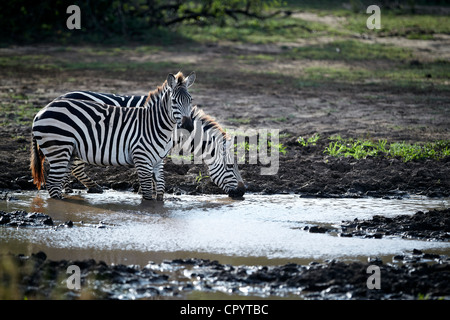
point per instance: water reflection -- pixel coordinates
(261, 227)
(38, 204)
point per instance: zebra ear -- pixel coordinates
(171, 81)
(190, 79)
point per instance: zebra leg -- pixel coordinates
(154, 185)
(59, 169)
(79, 173)
(158, 179)
(145, 173)
(65, 184)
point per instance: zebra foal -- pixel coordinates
(68, 132)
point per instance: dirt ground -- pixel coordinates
(240, 97)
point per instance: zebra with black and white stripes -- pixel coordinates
(209, 142)
(69, 132)
(215, 152)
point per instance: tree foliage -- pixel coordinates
(28, 20)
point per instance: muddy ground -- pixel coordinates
(241, 96)
(244, 100)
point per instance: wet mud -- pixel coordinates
(411, 276)
(432, 225)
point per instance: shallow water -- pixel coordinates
(118, 227)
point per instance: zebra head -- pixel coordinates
(181, 99)
(226, 173)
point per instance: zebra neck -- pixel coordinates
(208, 142)
(156, 95)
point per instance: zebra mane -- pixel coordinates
(180, 80)
(208, 122)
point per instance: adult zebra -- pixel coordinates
(69, 132)
(223, 168)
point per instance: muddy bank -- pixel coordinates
(306, 171)
(432, 225)
(416, 275)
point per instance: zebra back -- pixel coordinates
(106, 98)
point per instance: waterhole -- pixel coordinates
(118, 227)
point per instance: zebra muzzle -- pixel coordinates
(237, 192)
(186, 123)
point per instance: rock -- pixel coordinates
(68, 224)
(39, 256)
(4, 219)
(48, 221)
(317, 229)
(377, 261)
(345, 235)
(398, 257)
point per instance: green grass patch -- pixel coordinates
(116, 66)
(395, 21)
(360, 149)
(43, 62)
(437, 70)
(239, 120)
(248, 147)
(306, 141)
(404, 75)
(350, 50)
(410, 26)
(251, 30)
(16, 109)
(18, 114)
(336, 74)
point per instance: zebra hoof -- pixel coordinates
(160, 197)
(68, 190)
(95, 190)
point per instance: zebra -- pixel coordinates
(71, 132)
(223, 168)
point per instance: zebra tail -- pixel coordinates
(37, 163)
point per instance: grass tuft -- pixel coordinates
(361, 149)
